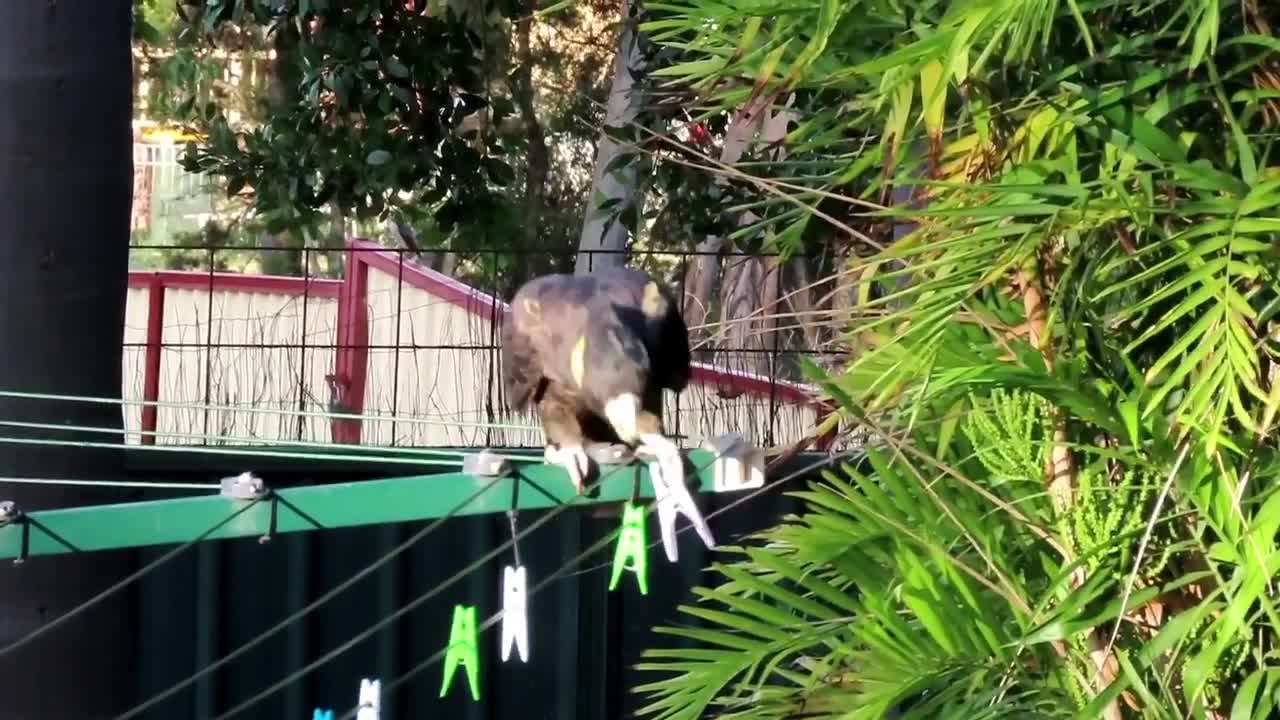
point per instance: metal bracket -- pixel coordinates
(486, 463)
(610, 454)
(737, 466)
(245, 486)
(9, 513)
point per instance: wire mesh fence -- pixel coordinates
(396, 352)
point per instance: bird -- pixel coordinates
(594, 353)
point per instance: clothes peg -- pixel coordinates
(630, 554)
(462, 649)
(515, 617)
(321, 714)
(673, 498)
(370, 707)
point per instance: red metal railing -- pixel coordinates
(349, 377)
(156, 283)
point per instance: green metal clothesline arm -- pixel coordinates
(318, 507)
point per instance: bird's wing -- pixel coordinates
(541, 333)
(666, 338)
(521, 365)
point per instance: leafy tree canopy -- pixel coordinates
(372, 114)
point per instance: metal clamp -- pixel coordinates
(11, 514)
(486, 463)
(737, 466)
(610, 454)
(245, 486)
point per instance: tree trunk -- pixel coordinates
(749, 306)
(537, 160)
(336, 256)
(841, 288)
(284, 256)
(905, 196)
(802, 319)
(699, 288)
(604, 234)
(848, 283)
(279, 254)
(751, 286)
(1060, 469)
(65, 187)
(703, 267)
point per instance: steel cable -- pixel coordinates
(299, 673)
(298, 615)
(136, 575)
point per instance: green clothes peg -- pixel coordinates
(632, 551)
(462, 649)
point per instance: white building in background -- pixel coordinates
(166, 198)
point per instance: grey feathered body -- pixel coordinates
(633, 341)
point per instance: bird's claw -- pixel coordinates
(575, 462)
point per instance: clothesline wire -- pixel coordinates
(359, 637)
(109, 483)
(422, 598)
(313, 605)
(125, 582)
(372, 453)
(173, 405)
(563, 571)
(248, 451)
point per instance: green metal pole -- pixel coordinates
(302, 509)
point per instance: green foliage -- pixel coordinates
(1110, 507)
(258, 139)
(369, 117)
(179, 81)
(153, 20)
(891, 591)
(1092, 248)
(1008, 434)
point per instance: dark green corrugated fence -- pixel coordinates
(584, 640)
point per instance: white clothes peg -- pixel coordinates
(666, 473)
(370, 707)
(515, 614)
(672, 499)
